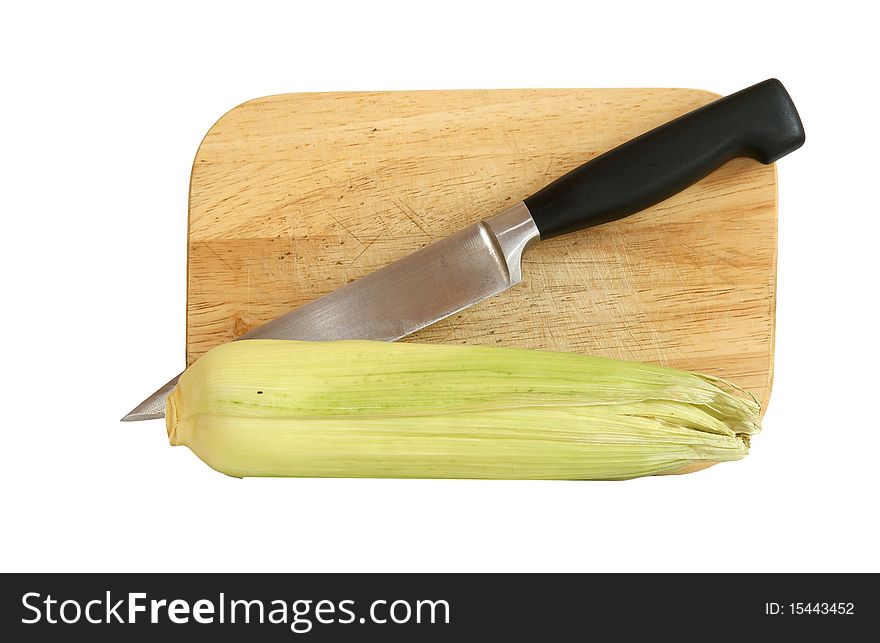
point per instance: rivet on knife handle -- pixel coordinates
(760, 122)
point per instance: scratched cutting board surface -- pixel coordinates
(294, 195)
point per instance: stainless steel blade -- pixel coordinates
(435, 282)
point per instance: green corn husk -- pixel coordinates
(377, 409)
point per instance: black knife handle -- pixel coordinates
(760, 122)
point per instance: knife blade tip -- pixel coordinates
(136, 416)
(153, 407)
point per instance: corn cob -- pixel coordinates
(376, 409)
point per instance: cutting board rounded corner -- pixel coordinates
(220, 121)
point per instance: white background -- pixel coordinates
(103, 107)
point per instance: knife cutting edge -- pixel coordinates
(484, 259)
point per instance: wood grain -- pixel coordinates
(294, 195)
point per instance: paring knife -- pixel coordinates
(484, 259)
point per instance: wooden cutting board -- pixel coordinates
(294, 195)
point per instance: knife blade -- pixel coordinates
(484, 259)
(432, 283)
